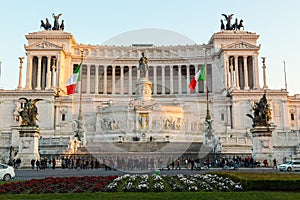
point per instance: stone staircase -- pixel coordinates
(193, 149)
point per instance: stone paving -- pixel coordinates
(27, 174)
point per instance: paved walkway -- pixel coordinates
(27, 174)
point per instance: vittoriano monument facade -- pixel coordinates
(123, 103)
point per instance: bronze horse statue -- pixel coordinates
(47, 25)
(240, 25)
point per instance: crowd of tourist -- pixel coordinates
(145, 163)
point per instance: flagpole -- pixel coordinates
(284, 75)
(80, 92)
(208, 118)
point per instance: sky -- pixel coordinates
(96, 22)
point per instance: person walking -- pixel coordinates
(274, 163)
(37, 163)
(178, 164)
(32, 162)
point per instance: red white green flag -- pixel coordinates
(72, 81)
(200, 76)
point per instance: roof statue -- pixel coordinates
(47, 25)
(236, 26)
(261, 112)
(143, 66)
(29, 112)
(56, 26)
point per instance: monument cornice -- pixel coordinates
(236, 35)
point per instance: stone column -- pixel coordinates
(113, 79)
(179, 80)
(58, 73)
(255, 72)
(122, 79)
(197, 85)
(264, 73)
(187, 78)
(29, 72)
(246, 73)
(154, 80)
(96, 79)
(163, 88)
(171, 80)
(130, 80)
(147, 74)
(231, 72)
(48, 82)
(226, 72)
(236, 65)
(38, 84)
(20, 87)
(105, 80)
(54, 74)
(88, 79)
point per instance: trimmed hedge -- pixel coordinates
(265, 181)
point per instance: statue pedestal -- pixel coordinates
(262, 143)
(28, 145)
(143, 89)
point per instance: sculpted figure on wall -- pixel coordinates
(16, 112)
(109, 124)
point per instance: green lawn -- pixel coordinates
(261, 176)
(165, 195)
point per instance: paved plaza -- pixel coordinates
(27, 174)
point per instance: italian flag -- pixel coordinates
(200, 76)
(72, 81)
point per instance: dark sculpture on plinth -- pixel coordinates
(56, 26)
(47, 25)
(229, 26)
(29, 112)
(62, 25)
(240, 25)
(261, 112)
(222, 25)
(228, 19)
(143, 66)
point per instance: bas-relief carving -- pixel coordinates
(108, 124)
(44, 45)
(130, 52)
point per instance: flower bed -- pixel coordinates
(58, 185)
(179, 183)
(126, 183)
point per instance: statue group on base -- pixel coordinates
(29, 112)
(47, 26)
(236, 26)
(261, 112)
